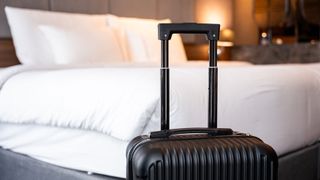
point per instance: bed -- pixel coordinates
(277, 119)
(70, 120)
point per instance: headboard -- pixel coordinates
(176, 10)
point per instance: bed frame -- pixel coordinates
(303, 164)
(298, 165)
(14, 166)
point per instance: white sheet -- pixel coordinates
(116, 101)
(278, 103)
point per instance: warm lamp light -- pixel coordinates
(226, 38)
(210, 17)
(224, 44)
(219, 12)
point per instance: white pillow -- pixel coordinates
(31, 45)
(83, 46)
(140, 39)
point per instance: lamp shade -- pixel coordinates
(226, 38)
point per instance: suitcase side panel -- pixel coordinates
(236, 158)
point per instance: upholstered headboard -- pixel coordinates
(176, 10)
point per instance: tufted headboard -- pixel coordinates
(176, 10)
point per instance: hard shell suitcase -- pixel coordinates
(197, 153)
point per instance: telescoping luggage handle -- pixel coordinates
(212, 33)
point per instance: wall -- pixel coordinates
(234, 14)
(246, 31)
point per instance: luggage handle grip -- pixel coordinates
(209, 131)
(166, 30)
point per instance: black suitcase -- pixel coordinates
(197, 153)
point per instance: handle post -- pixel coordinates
(213, 85)
(165, 85)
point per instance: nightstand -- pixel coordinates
(196, 51)
(200, 52)
(7, 53)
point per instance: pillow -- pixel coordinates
(139, 38)
(82, 46)
(31, 45)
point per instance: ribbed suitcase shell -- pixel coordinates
(201, 157)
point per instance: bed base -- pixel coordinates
(301, 164)
(14, 166)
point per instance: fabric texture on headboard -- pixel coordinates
(177, 10)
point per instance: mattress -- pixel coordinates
(280, 104)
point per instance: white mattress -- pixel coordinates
(280, 104)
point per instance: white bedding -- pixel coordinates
(117, 101)
(278, 103)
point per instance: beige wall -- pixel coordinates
(245, 29)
